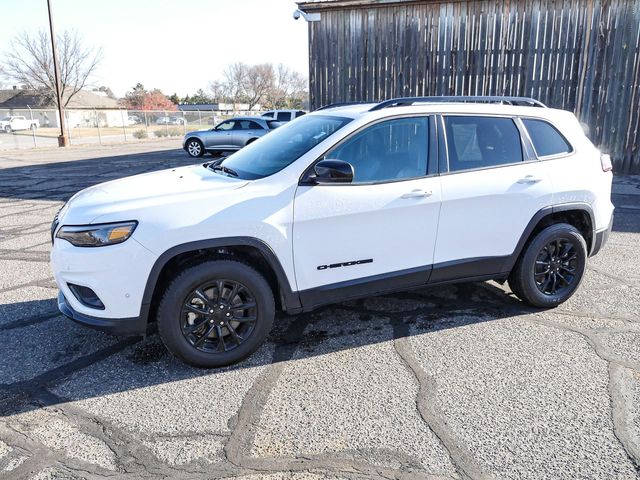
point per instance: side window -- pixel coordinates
(246, 125)
(283, 116)
(480, 142)
(390, 150)
(299, 113)
(228, 125)
(545, 138)
(267, 114)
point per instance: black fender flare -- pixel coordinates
(291, 298)
(540, 214)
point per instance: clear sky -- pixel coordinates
(175, 45)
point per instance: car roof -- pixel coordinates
(245, 118)
(359, 110)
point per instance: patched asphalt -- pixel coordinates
(461, 381)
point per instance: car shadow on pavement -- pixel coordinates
(50, 360)
(60, 180)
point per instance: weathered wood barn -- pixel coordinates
(579, 55)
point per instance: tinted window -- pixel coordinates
(479, 142)
(390, 150)
(283, 116)
(545, 138)
(246, 125)
(299, 113)
(228, 125)
(267, 114)
(283, 146)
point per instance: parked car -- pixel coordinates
(228, 136)
(283, 115)
(177, 121)
(397, 195)
(133, 120)
(163, 121)
(13, 123)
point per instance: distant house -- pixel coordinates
(218, 107)
(84, 110)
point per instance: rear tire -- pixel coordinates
(7, 129)
(194, 147)
(216, 313)
(551, 268)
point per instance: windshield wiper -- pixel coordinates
(222, 168)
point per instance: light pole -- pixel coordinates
(63, 141)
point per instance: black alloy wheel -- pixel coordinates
(555, 268)
(216, 313)
(218, 316)
(551, 267)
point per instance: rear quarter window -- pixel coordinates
(546, 139)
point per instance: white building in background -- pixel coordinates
(86, 109)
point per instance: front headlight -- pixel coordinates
(97, 235)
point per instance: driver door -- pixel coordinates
(378, 232)
(221, 135)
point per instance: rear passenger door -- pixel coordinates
(245, 130)
(492, 186)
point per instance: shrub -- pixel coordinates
(140, 134)
(160, 133)
(175, 132)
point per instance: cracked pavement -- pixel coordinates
(460, 381)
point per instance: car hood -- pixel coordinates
(140, 192)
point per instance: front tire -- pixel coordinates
(216, 313)
(194, 148)
(7, 129)
(551, 268)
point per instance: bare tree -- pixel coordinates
(289, 89)
(234, 78)
(257, 83)
(219, 91)
(29, 62)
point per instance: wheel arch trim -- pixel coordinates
(538, 217)
(290, 298)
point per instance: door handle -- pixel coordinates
(529, 179)
(417, 193)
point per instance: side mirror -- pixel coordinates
(332, 171)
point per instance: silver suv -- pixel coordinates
(227, 136)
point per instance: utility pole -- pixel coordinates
(63, 141)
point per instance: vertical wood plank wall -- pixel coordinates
(579, 55)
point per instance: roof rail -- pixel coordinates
(400, 102)
(341, 104)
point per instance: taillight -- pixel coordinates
(605, 160)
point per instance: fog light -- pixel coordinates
(86, 296)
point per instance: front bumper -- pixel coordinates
(600, 239)
(116, 326)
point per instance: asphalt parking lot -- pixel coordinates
(460, 381)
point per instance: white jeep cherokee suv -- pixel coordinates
(345, 202)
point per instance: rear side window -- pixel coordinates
(481, 142)
(545, 138)
(283, 116)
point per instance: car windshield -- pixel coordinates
(6, 118)
(283, 146)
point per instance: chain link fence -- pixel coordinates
(34, 128)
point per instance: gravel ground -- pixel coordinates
(460, 381)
